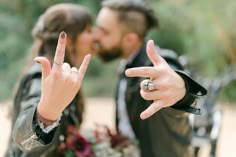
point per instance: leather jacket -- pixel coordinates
(24, 140)
(168, 132)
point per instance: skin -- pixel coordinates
(170, 86)
(59, 83)
(83, 45)
(112, 37)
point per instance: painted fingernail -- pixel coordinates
(63, 35)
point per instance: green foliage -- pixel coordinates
(17, 18)
(12, 51)
(202, 30)
(205, 31)
(100, 79)
(196, 29)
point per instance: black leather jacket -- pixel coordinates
(168, 132)
(25, 140)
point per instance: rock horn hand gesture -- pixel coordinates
(59, 83)
(165, 87)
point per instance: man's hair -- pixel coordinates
(135, 15)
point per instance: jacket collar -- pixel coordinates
(138, 59)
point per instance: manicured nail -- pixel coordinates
(63, 35)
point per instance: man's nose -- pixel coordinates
(97, 33)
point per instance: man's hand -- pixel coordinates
(59, 83)
(169, 87)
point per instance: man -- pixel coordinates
(123, 25)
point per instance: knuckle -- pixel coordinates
(145, 95)
(56, 74)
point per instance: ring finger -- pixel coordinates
(148, 85)
(74, 73)
(151, 95)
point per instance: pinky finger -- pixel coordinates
(83, 67)
(153, 108)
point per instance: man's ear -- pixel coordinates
(131, 38)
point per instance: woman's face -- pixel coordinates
(83, 45)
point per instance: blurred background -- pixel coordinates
(204, 31)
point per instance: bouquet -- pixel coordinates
(98, 143)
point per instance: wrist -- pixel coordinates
(44, 120)
(45, 125)
(45, 113)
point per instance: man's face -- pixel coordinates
(110, 35)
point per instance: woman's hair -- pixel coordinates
(70, 18)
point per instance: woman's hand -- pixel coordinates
(59, 83)
(165, 86)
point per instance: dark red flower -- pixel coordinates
(116, 139)
(77, 143)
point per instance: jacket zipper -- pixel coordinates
(28, 143)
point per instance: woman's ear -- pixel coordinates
(69, 45)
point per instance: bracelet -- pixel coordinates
(45, 124)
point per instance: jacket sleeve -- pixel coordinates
(193, 91)
(25, 131)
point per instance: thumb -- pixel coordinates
(46, 66)
(152, 53)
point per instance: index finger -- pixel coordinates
(141, 72)
(152, 53)
(60, 50)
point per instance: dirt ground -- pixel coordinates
(101, 111)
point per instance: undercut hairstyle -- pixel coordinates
(135, 15)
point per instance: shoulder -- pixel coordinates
(167, 53)
(34, 69)
(30, 81)
(34, 72)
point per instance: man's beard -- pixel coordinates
(110, 55)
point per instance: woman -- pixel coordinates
(47, 100)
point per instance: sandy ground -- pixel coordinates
(101, 111)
